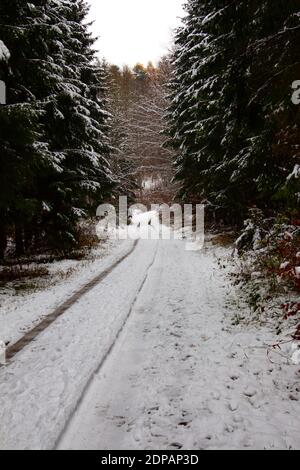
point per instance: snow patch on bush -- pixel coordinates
(4, 52)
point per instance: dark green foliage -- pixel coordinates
(232, 120)
(53, 130)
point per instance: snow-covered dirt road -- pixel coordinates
(180, 378)
(148, 359)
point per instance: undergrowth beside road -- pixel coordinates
(21, 272)
(267, 270)
(29, 271)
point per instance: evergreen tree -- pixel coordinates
(231, 106)
(273, 153)
(76, 127)
(53, 77)
(20, 154)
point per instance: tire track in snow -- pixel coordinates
(108, 353)
(29, 337)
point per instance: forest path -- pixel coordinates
(32, 334)
(179, 377)
(41, 386)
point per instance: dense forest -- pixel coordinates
(54, 127)
(137, 103)
(74, 131)
(217, 113)
(131, 331)
(232, 116)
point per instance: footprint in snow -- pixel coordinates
(250, 392)
(187, 357)
(234, 377)
(233, 406)
(176, 445)
(184, 424)
(216, 395)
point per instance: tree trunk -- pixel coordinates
(28, 236)
(3, 242)
(19, 240)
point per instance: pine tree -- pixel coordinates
(76, 128)
(274, 149)
(53, 70)
(209, 93)
(231, 118)
(183, 95)
(20, 130)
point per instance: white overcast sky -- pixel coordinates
(134, 31)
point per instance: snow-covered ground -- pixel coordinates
(181, 378)
(21, 310)
(149, 360)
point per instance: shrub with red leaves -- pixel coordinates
(296, 336)
(291, 309)
(274, 246)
